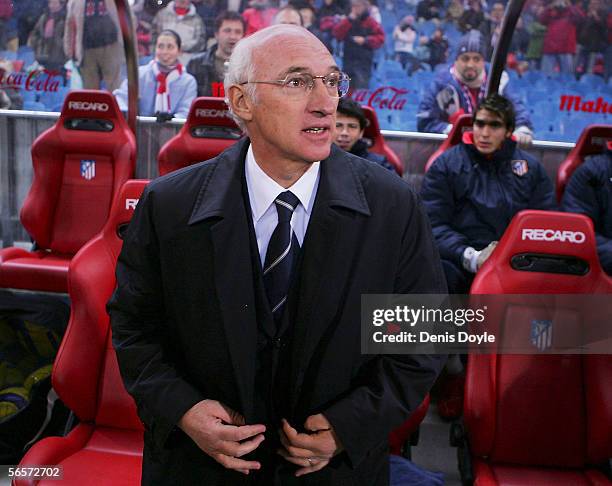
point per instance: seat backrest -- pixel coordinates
(377, 141)
(208, 131)
(540, 410)
(79, 165)
(463, 124)
(592, 141)
(85, 373)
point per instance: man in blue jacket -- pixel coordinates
(473, 190)
(461, 88)
(589, 192)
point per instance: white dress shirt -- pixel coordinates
(263, 190)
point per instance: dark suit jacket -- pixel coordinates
(184, 322)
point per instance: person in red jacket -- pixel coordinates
(561, 18)
(260, 14)
(362, 35)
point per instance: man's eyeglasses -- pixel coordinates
(494, 124)
(299, 84)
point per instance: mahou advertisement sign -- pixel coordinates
(383, 98)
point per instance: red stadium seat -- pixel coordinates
(592, 141)
(463, 124)
(534, 419)
(79, 165)
(377, 141)
(208, 131)
(106, 446)
(404, 434)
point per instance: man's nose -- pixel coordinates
(320, 100)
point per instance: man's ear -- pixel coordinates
(240, 102)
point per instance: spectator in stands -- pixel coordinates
(589, 192)
(491, 27)
(472, 17)
(8, 35)
(10, 98)
(460, 89)
(592, 37)
(309, 18)
(181, 17)
(329, 15)
(454, 12)
(350, 124)
(47, 37)
(144, 28)
(93, 40)
(473, 190)
(404, 36)
(209, 326)
(288, 15)
(422, 51)
(438, 48)
(362, 35)
(561, 18)
(429, 10)
(209, 68)
(208, 10)
(260, 14)
(27, 13)
(166, 90)
(537, 32)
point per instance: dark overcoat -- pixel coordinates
(185, 326)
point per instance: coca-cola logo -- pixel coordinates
(383, 98)
(40, 80)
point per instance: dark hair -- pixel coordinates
(171, 33)
(349, 107)
(231, 16)
(501, 106)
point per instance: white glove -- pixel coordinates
(473, 259)
(448, 100)
(523, 136)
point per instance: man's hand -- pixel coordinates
(359, 39)
(523, 136)
(485, 253)
(312, 451)
(222, 434)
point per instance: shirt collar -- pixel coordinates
(263, 190)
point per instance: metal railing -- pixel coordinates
(19, 129)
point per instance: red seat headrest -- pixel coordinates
(91, 104)
(519, 264)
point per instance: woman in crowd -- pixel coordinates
(47, 37)
(166, 89)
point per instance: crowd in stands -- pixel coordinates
(366, 37)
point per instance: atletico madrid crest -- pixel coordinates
(519, 167)
(88, 169)
(541, 334)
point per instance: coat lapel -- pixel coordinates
(328, 248)
(221, 199)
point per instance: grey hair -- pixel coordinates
(241, 67)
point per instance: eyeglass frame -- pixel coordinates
(281, 82)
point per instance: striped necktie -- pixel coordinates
(282, 251)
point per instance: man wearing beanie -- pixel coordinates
(461, 88)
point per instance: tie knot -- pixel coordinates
(286, 202)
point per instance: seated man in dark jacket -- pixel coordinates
(473, 190)
(589, 192)
(350, 124)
